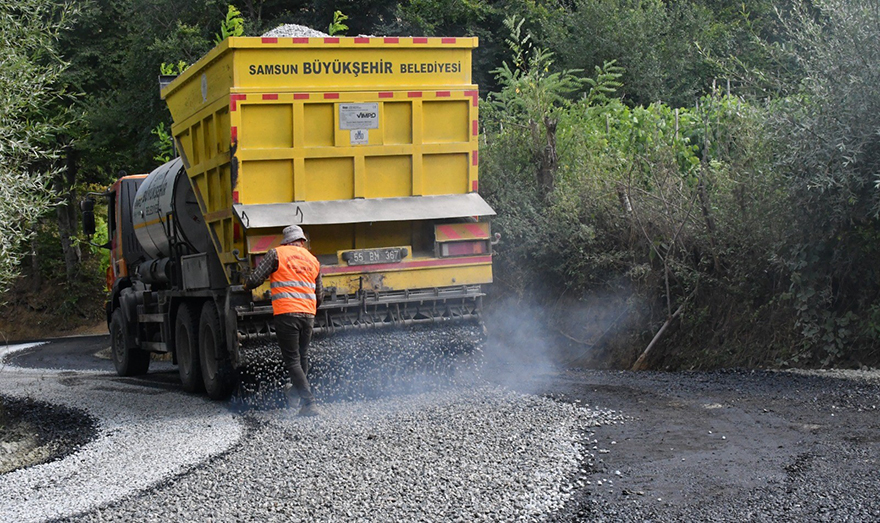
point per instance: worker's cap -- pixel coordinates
(292, 233)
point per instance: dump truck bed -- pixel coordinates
(370, 144)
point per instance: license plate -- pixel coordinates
(372, 256)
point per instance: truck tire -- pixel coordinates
(186, 343)
(128, 361)
(217, 371)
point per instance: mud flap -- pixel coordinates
(230, 322)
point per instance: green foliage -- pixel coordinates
(830, 153)
(435, 17)
(232, 25)
(164, 144)
(534, 91)
(680, 206)
(481, 18)
(606, 83)
(173, 69)
(32, 119)
(668, 49)
(337, 26)
(533, 95)
(115, 51)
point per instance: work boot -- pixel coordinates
(291, 397)
(309, 409)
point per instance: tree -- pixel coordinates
(668, 49)
(829, 132)
(30, 85)
(533, 93)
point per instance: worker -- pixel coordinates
(295, 276)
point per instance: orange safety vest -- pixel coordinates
(293, 284)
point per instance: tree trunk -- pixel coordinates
(641, 362)
(36, 277)
(67, 216)
(705, 204)
(254, 9)
(549, 160)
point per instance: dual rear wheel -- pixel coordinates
(202, 358)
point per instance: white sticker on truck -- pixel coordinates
(360, 137)
(359, 116)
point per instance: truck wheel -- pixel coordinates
(186, 343)
(128, 361)
(217, 371)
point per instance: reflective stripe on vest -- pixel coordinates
(293, 284)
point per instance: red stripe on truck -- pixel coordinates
(270, 97)
(264, 243)
(448, 231)
(233, 100)
(476, 230)
(270, 40)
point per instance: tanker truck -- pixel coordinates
(369, 144)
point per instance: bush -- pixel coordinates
(830, 154)
(678, 207)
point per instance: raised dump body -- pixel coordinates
(370, 144)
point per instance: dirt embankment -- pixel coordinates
(52, 311)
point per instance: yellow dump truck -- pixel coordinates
(369, 144)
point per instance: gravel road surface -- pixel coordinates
(732, 446)
(146, 434)
(554, 446)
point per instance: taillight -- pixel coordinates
(464, 248)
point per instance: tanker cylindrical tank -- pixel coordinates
(165, 205)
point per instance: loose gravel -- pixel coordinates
(718, 446)
(295, 31)
(410, 431)
(144, 436)
(733, 445)
(368, 364)
(481, 454)
(34, 432)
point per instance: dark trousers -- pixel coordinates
(294, 334)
